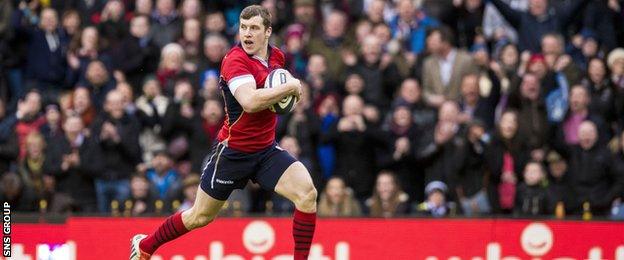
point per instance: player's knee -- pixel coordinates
(198, 220)
(203, 219)
(306, 198)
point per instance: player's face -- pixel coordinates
(254, 36)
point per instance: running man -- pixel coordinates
(247, 149)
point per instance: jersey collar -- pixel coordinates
(264, 62)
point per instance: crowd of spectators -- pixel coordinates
(429, 107)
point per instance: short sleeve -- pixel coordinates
(235, 71)
(234, 65)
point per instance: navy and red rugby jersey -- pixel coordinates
(247, 132)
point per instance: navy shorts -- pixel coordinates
(226, 169)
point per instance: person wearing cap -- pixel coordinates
(558, 186)
(162, 175)
(584, 47)
(436, 204)
(296, 58)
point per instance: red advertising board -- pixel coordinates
(335, 239)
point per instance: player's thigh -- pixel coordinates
(225, 171)
(277, 169)
(295, 183)
(205, 204)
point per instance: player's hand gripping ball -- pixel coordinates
(276, 78)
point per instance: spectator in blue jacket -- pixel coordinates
(411, 25)
(163, 176)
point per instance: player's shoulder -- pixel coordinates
(235, 52)
(277, 52)
(277, 55)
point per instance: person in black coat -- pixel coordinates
(46, 64)
(398, 155)
(602, 17)
(602, 91)
(381, 76)
(180, 116)
(167, 25)
(532, 198)
(143, 197)
(118, 136)
(471, 186)
(410, 94)
(9, 147)
(353, 138)
(74, 160)
(206, 126)
(13, 191)
(505, 158)
(438, 153)
(539, 20)
(466, 17)
(558, 187)
(593, 174)
(138, 55)
(533, 127)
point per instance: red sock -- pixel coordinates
(303, 232)
(169, 230)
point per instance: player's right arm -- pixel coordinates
(242, 85)
(254, 100)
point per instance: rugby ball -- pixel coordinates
(276, 78)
